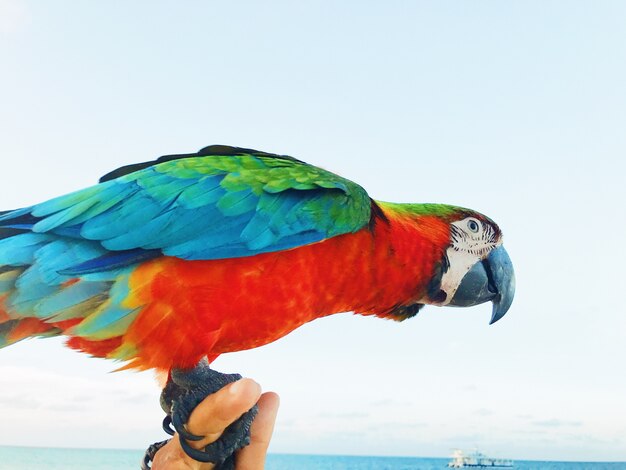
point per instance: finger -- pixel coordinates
(171, 456)
(216, 412)
(252, 457)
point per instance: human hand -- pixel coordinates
(214, 414)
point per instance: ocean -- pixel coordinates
(32, 458)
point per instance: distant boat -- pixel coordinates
(476, 460)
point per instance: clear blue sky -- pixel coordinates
(516, 109)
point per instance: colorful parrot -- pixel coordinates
(165, 263)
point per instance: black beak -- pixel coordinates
(491, 279)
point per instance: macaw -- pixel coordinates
(167, 264)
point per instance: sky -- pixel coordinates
(515, 109)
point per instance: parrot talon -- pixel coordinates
(185, 390)
(148, 457)
(179, 421)
(167, 425)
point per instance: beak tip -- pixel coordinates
(496, 315)
(504, 278)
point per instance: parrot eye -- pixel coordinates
(473, 225)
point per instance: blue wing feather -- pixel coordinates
(193, 208)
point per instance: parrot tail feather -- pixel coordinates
(12, 331)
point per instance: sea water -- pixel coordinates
(33, 458)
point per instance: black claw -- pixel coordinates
(182, 408)
(167, 425)
(148, 457)
(199, 455)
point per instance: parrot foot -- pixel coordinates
(148, 457)
(183, 392)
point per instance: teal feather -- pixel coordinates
(193, 221)
(142, 235)
(60, 255)
(42, 279)
(27, 294)
(111, 319)
(20, 250)
(108, 199)
(136, 211)
(206, 191)
(8, 278)
(62, 300)
(237, 203)
(64, 202)
(64, 216)
(256, 227)
(262, 239)
(214, 237)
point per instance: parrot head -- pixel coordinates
(477, 268)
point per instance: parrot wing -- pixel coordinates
(222, 202)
